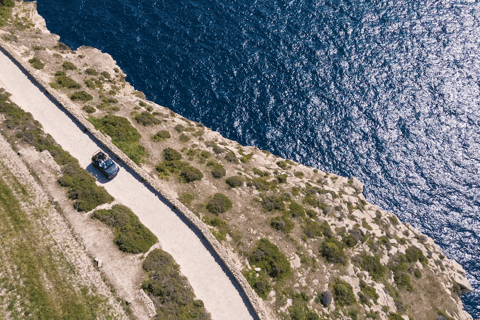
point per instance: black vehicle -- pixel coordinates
(103, 163)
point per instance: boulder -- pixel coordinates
(357, 184)
(326, 298)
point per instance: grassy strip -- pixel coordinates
(81, 185)
(170, 291)
(123, 135)
(44, 288)
(5, 11)
(130, 234)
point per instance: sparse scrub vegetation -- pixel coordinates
(172, 294)
(123, 135)
(343, 294)
(219, 203)
(91, 72)
(81, 96)
(36, 63)
(67, 65)
(130, 234)
(67, 82)
(235, 181)
(161, 136)
(218, 171)
(174, 165)
(146, 118)
(268, 257)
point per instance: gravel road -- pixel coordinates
(219, 292)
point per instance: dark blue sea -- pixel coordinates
(387, 91)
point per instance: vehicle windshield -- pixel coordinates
(110, 166)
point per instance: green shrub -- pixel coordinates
(146, 119)
(368, 291)
(214, 222)
(106, 75)
(268, 257)
(403, 280)
(260, 172)
(218, 171)
(311, 213)
(89, 109)
(282, 223)
(81, 96)
(214, 146)
(299, 174)
(259, 283)
(282, 164)
(170, 154)
(272, 202)
(161, 135)
(171, 292)
(231, 157)
(414, 254)
(395, 316)
(123, 135)
(373, 265)
(190, 174)
(184, 137)
(5, 11)
(417, 273)
(60, 74)
(93, 83)
(332, 250)
(186, 198)
(313, 229)
(36, 63)
(67, 82)
(311, 200)
(261, 184)
(61, 46)
(91, 72)
(297, 210)
(219, 203)
(130, 234)
(235, 181)
(67, 65)
(343, 294)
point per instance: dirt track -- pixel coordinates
(198, 263)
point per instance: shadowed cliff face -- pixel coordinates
(260, 205)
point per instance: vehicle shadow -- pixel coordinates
(97, 174)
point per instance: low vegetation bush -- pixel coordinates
(67, 65)
(373, 265)
(343, 294)
(184, 170)
(272, 202)
(93, 83)
(184, 137)
(218, 171)
(67, 82)
(259, 283)
(313, 229)
(36, 63)
(91, 72)
(235, 181)
(81, 96)
(170, 154)
(219, 203)
(282, 223)
(395, 316)
(414, 254)
(130, 234)
(106, 75)
(5, 11)
(186, 198)
(368, 293)
(262, 184)
(89, 109)
(403, 281)
(216, 149)
(268, 257)
(146, 118)
(296, 210)
(161, 135)
(333, 251)
(171, 292)
(123, 135)
(231, 157)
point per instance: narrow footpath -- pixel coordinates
(220, 293)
